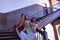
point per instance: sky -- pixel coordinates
(10, 5)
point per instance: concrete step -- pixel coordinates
(9, 39)
(6, 32)
(8, 36)
(5, 37)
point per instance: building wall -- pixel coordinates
(3, 22)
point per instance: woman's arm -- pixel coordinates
(20, 23)
(38, 27)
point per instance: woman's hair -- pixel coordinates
(26, 16)
(32, 19)
(22, 15)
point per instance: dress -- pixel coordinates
(24, 36)
(27, 34)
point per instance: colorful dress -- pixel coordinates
(27, 34)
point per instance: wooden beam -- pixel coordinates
(54, 23)
(49, 19)
(50, 3)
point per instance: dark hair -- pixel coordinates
(25, 17)
(32, 19)
(22, 15)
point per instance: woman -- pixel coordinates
(24, 34)
(27, 25)
(34, 27)
(34, 24)
(20, 26)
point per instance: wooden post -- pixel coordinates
(51, 8)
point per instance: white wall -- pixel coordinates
(10, 5)
(50, 31)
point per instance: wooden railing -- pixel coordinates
(48, 19)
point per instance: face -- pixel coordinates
(23, 17)
(34, 20)
(27, 17)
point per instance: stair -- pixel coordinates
(50, 18)
(8, 36)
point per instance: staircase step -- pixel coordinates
(8, 37)
(14, 39)
(2, 35)
(6, 32)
